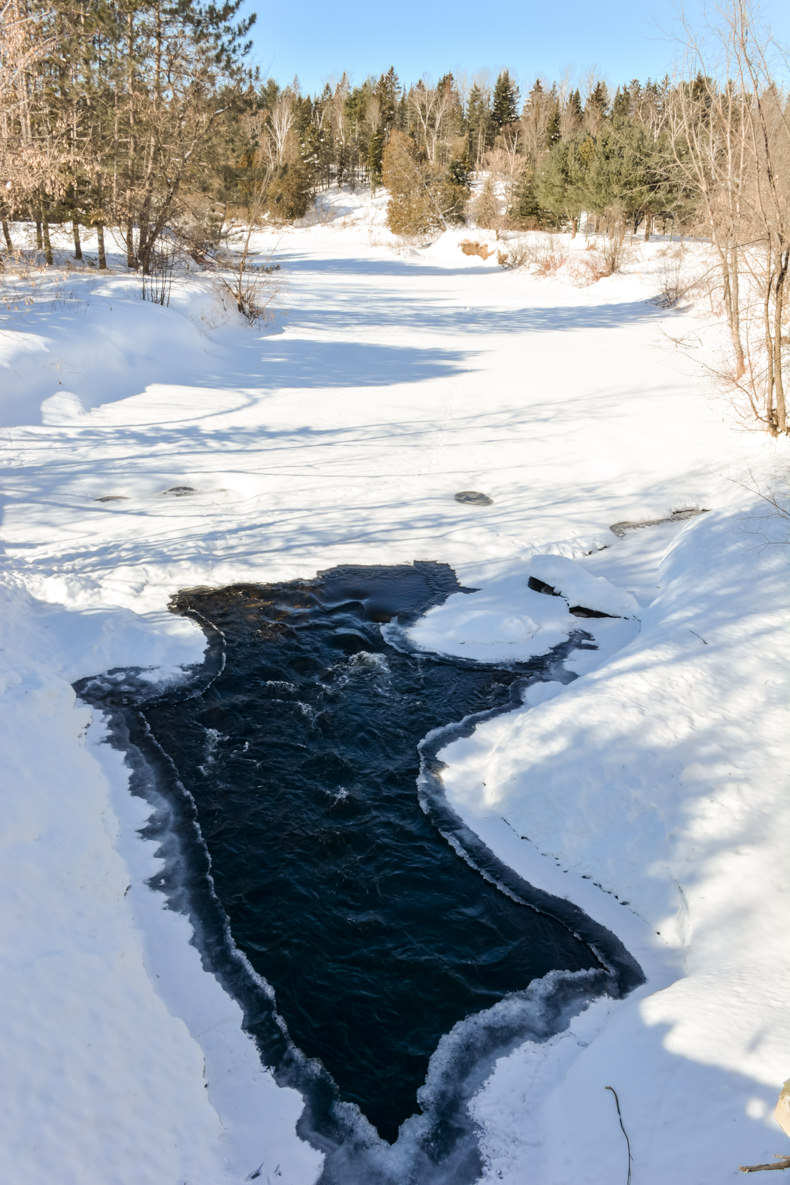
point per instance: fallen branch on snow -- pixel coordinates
(781, 1162)
(625, 1133)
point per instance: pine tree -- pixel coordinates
(561, 184)
(173, 58)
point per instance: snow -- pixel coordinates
(651, 790)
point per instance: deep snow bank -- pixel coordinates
(662, 777)
(122, 1060)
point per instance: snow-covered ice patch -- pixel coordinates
(571, 580)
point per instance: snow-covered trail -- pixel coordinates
(339, 433)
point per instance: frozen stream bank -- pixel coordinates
(285, 782)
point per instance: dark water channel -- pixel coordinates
(285, 782)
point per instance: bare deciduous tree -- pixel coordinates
(731, 144)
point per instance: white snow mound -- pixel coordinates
(578, 587)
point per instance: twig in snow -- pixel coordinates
(696, 635)
(781, 1162)
(622, 1127)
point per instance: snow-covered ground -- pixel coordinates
(652, 790)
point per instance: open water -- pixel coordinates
(299, 807)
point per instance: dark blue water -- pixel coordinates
(287, 775)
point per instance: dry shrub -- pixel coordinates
(673, 285)
(589, 268)
(518, 254)
(544, 255)
(598, 262)
(613, 253)
(472, 247)
(549, 259)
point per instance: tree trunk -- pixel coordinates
(75, 231)
(39, 237)
(131, 257)
(48, 255)
(779, 418)
(102, 252)
(648, 227)
(7, 236)
(728, 258)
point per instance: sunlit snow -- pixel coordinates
(652, 791)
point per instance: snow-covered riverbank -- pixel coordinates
(652, 791)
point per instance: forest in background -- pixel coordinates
(144, 118)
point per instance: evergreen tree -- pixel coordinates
(357, 105)
(553, 126)
(596, 108)
(173, 58)
(573, 115)
(455, 187)
(621, 107)
(410, 210)
(387, 92)
(561, 184)
(524, 212)
(479, 124)
(424, 198)
(504, 105)
(375, 157)
(539, 111)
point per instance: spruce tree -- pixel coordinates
(374, 158)
(553, 126)
(573, 114)
(387, 92)
(596, 108)
(524, 212)
(479, 124)
(504, 105)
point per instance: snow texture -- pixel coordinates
(652, 790)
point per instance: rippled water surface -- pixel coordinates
(299, 745)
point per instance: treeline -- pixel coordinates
(116, 113)
(142, 116)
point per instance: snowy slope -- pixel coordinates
(390, 379)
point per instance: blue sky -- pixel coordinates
(620, 39)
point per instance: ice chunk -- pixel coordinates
(571, 580)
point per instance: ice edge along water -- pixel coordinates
(440, 1145)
